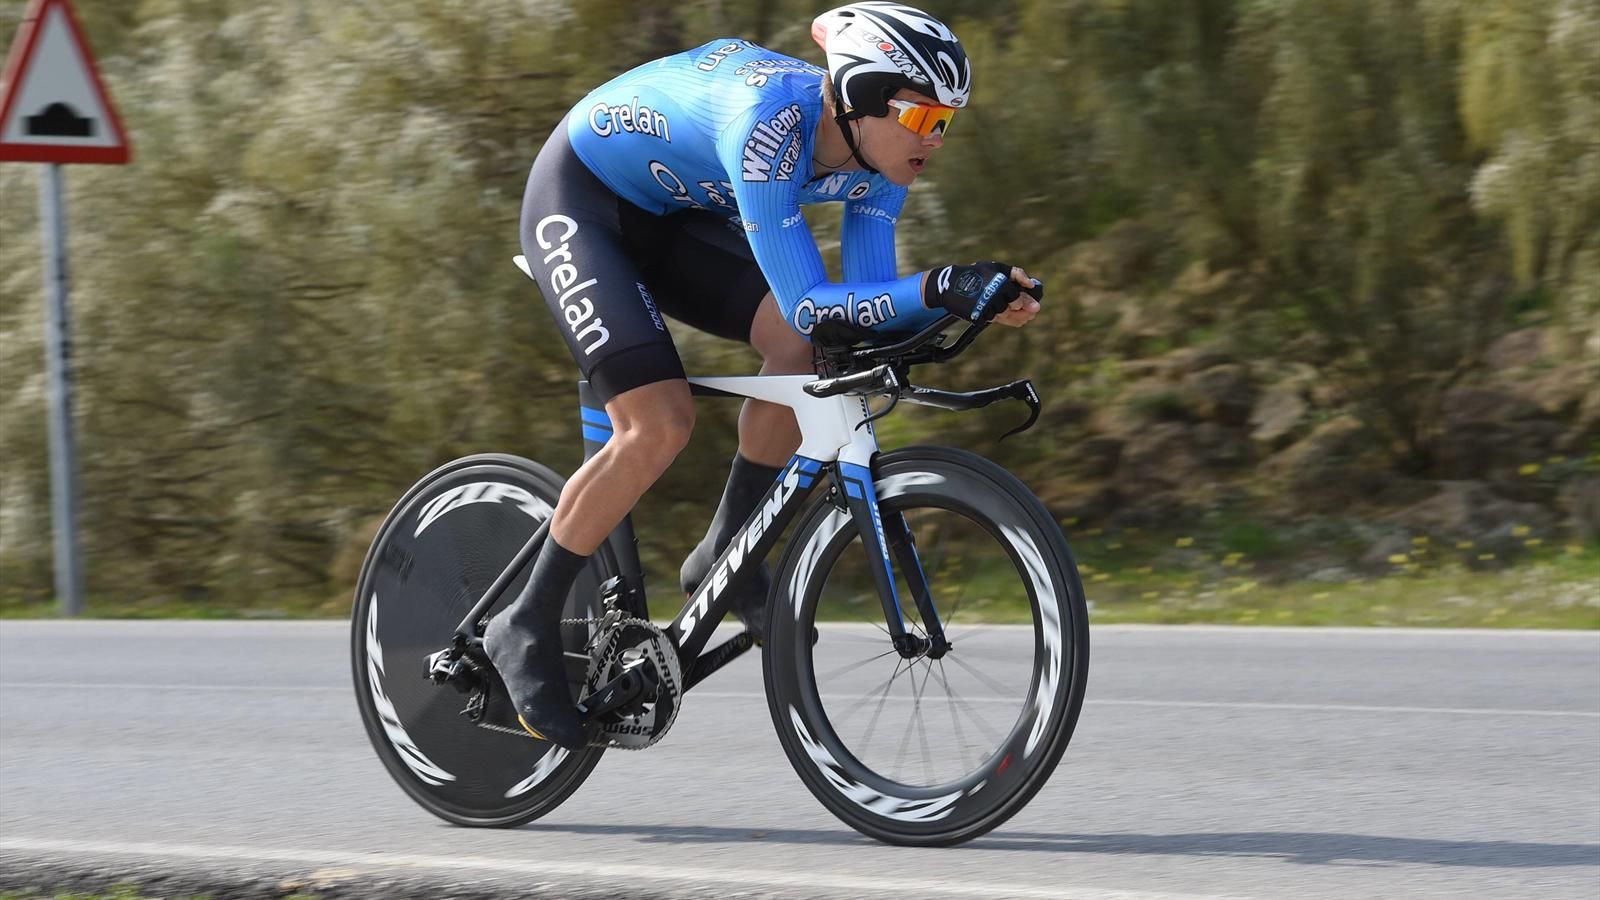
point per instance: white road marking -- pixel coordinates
(153, 686)
(1209, 704)
(457, 866)
(751, 695)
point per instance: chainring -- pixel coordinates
(624, 643)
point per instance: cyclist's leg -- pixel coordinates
(704, 274)
(650, 426)
(768, 432)
(572, 234)
(768, 436)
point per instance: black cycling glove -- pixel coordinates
(978, 292)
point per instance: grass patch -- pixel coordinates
(1552, 588)
(1253, 539)
(1232, 572)
(1239, 579)
(279, 606)
(1547, 594)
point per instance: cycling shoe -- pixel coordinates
(529, 660)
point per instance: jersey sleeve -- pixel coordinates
(867, 235)
(765, 164)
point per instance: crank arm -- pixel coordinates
(637, 683)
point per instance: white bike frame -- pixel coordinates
(836, 437)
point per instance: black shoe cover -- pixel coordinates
(529, 660)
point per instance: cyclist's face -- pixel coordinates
(895, 150)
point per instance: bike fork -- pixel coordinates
(904, 548)
(886, 537)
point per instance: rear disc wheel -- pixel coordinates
(435, 555)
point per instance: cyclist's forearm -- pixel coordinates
(893, 305)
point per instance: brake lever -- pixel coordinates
(1023, 390)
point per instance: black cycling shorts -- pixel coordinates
(609, 271)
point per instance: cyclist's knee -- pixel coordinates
(653, 422)
(782, 348)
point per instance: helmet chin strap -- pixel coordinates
(843, 121)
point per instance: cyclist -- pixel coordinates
(676, 189)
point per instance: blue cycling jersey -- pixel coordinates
(730, 127)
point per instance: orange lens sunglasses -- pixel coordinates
(924, 118)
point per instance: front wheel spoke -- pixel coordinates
(993, 653)
(1001, 690)
(976, 633)
(913, 617)
(866, 739)
(850, 667)
(876, 623)
(844, 636)
(989, 731)
(856, 702)
(916, 711)
(948, 615)
(955, 720)
(927, 760)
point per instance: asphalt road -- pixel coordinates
(1208, 762)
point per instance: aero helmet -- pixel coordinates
(876, 48)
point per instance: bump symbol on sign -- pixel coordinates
(59, 120)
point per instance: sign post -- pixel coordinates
(54, 109)
(58, 369)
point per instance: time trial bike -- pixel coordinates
(929, 726)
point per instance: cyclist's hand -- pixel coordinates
(981, 292)
(1022, 310)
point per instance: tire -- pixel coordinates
(954, 503)
(437, 552)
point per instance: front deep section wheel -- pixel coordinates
(441, 547)
(935, 745)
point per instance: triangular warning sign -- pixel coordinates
(55, 108)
